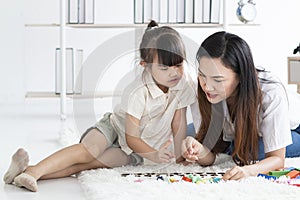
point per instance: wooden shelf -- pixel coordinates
(175, 25)
(241, 24)
(100, 94)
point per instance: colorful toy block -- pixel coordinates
(293, 174)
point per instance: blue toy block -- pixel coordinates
(267, 176)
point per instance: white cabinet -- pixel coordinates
(294, 71)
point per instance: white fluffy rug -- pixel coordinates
(109, 184)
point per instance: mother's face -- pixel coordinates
(217, 81)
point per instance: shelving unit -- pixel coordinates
(48, 94)
(178, 25)
(44, 94)
(182, 25)
(63, 26)
(100, 94)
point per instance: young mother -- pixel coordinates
(244, 111)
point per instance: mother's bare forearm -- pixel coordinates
(206, 157)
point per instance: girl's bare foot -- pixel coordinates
(19, 162)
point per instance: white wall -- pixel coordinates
(27, 54)
(12, 51)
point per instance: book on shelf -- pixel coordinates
(198, 11)
(177, 11)
(80, 11)
(78, 71)
(74, 59)
(206, 11)
(72, 6)
(147, 11)
(89, 11)
(189, 11)
(156, 10)
(172, 11)
(138, 11)
(215, 11)
(180, 11)
(164, 4)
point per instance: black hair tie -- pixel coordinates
(297, 49)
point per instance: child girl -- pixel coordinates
(150, 122)
(244, 111)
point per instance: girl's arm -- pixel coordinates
(134, 141)
(179, 130)
(193, 151)
(274, 160)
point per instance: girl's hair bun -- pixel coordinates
(152, 24)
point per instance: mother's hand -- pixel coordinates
(237, 173)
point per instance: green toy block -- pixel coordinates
(279, 173)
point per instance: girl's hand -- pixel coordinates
(190, 149)
(183, 161)
(163, 155)
(237, 173)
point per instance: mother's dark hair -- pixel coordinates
(236, 55)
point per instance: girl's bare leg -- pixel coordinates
(120, 158)
(73, 170)
(92, 146)
(105, 161)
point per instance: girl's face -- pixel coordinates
(217, 81)
(165, 76)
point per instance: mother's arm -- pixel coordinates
(274, 160)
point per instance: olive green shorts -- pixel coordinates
(104, 126)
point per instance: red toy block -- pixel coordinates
(186, 179)
(293, 174)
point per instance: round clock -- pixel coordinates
(246, 12)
